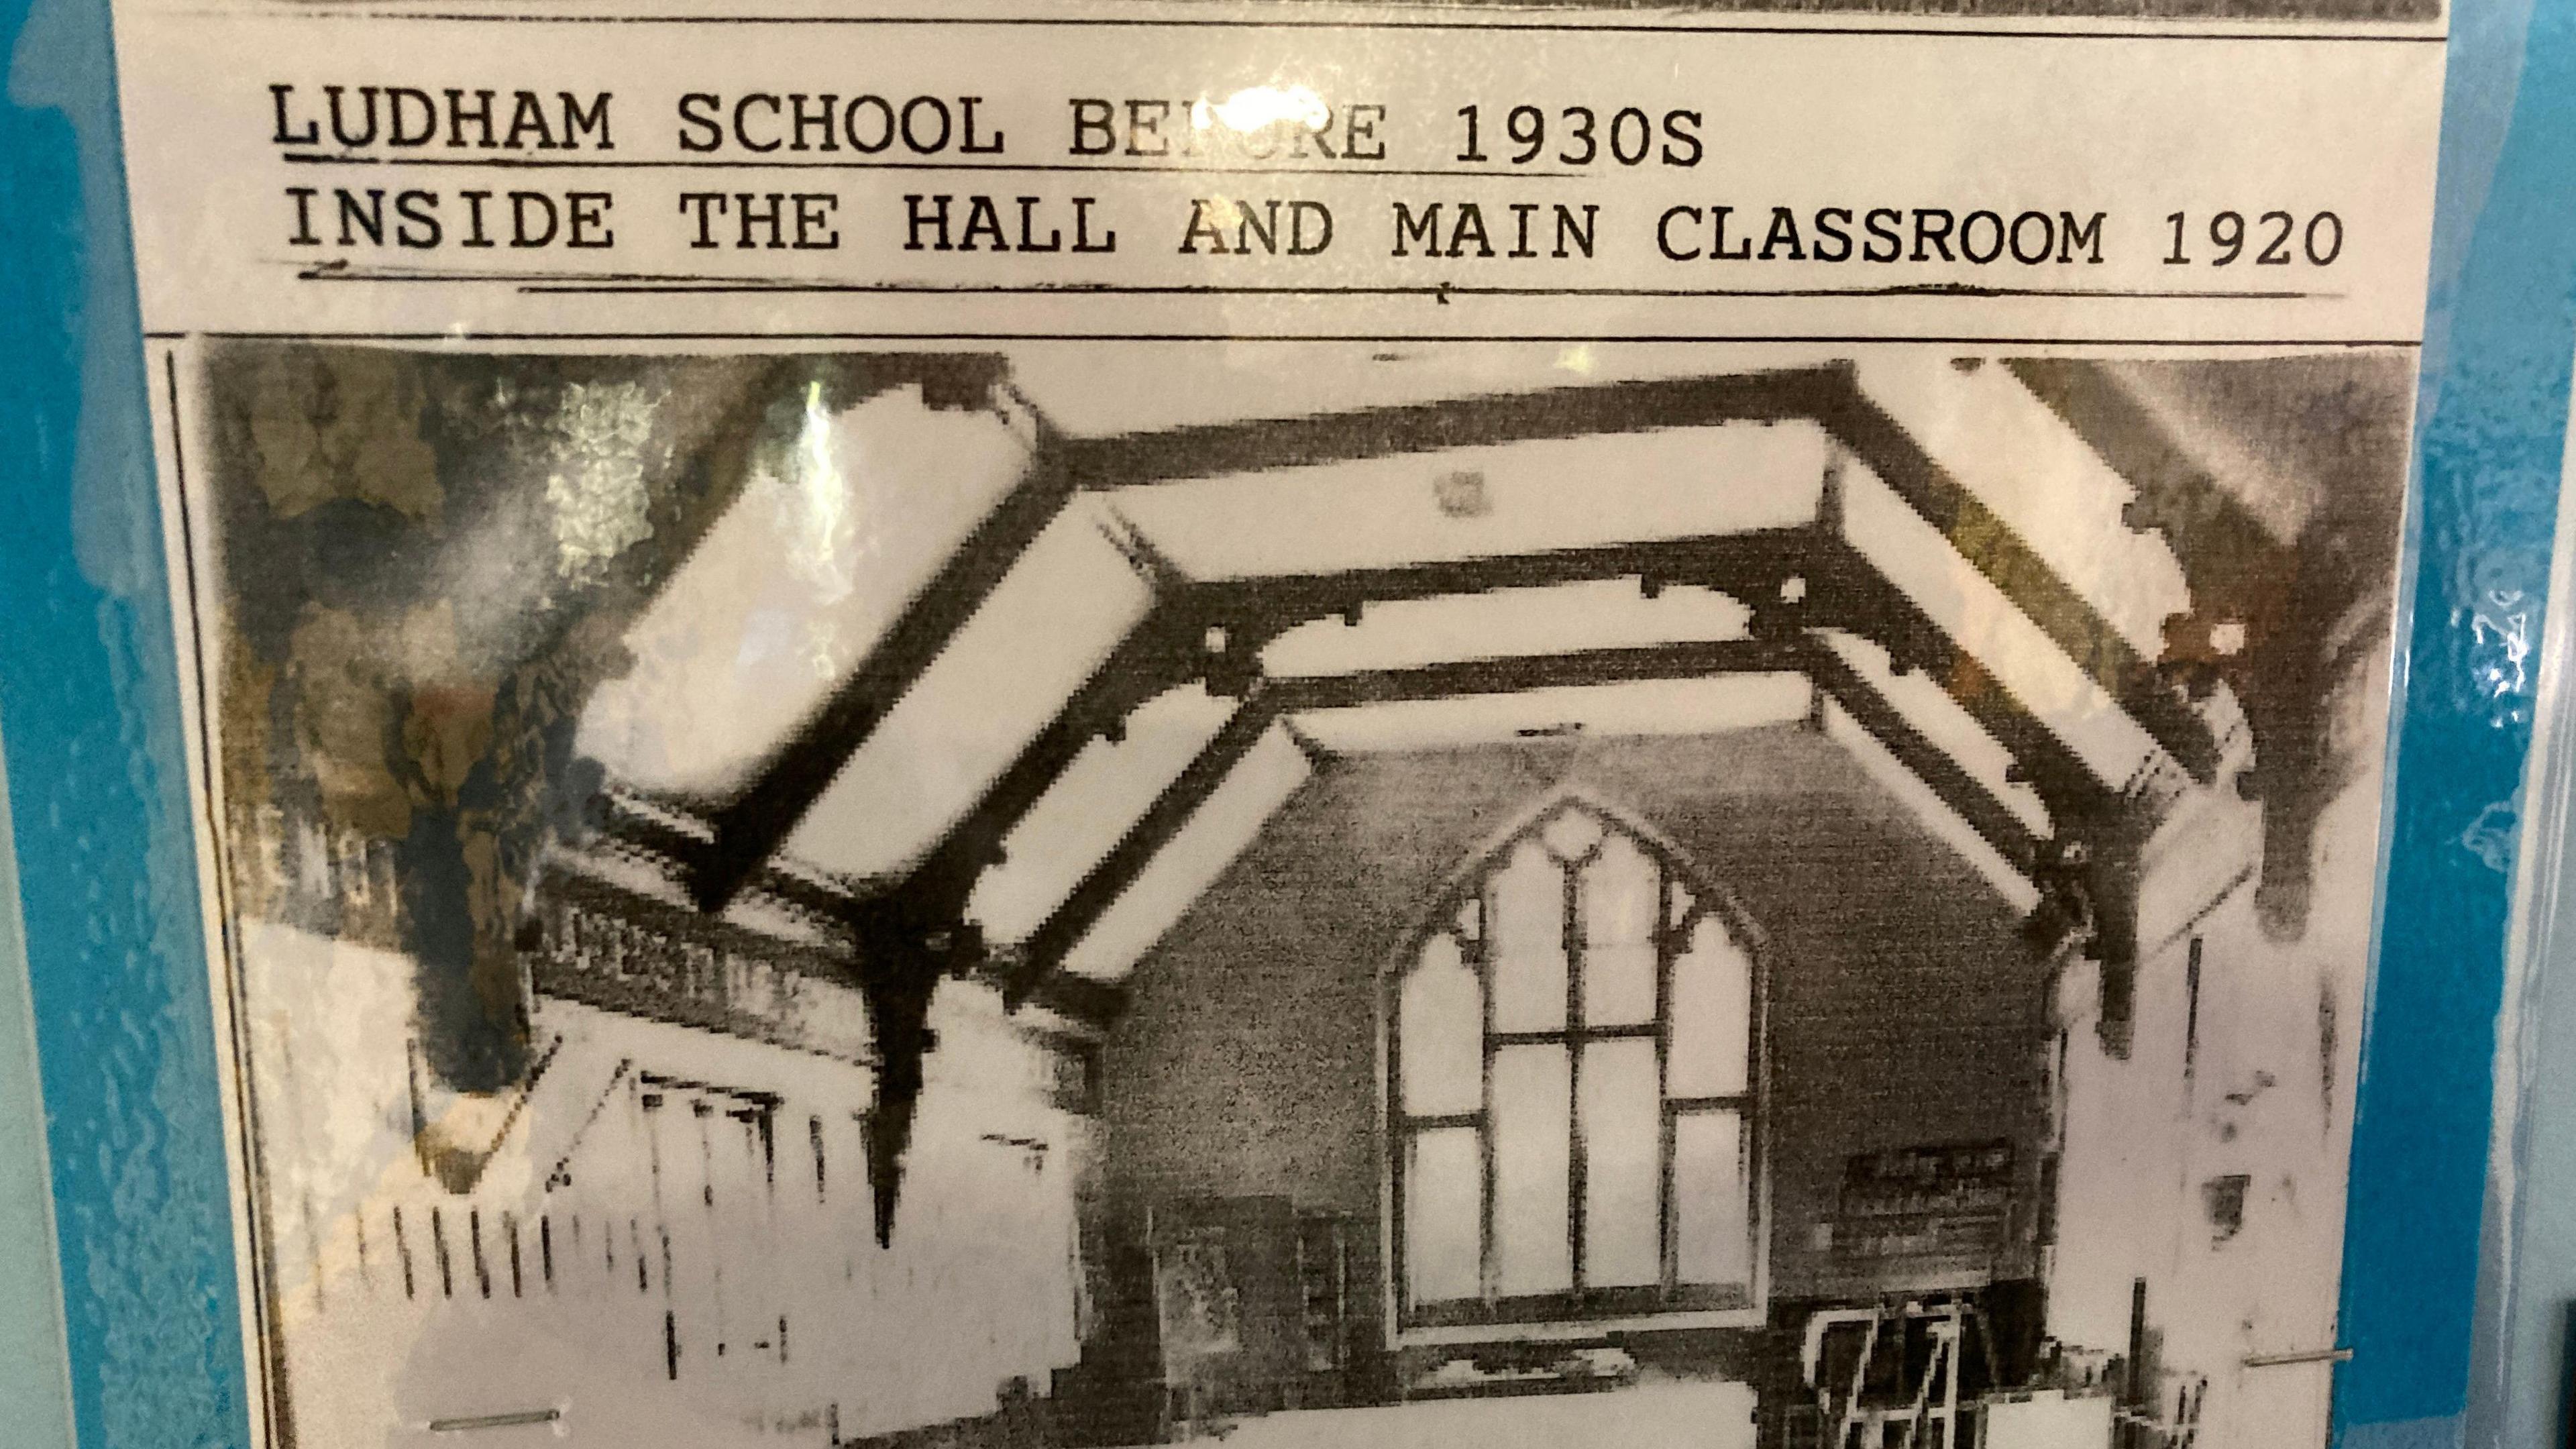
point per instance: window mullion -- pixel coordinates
(1668, 1257)
(1488, 1267)
(1443, 1123)
(1574, 1163)
(1399, 1141)
(1686, 1106)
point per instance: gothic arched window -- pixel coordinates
(1573, 1078)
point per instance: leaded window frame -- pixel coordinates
(1463, 908)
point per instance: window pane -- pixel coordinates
(1712, 1015)
(1528, 941)
(1622, 1165)
(1532, 1253)
(1571, 833)
(1618, 898)
(1712, 1214)
(1618, 985)
(1440, 1029)
(1619, 889)
(1443, 1203)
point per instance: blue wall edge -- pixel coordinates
(97, 779)
(2491, 425)
(35, 1372)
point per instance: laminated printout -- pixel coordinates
(1014, 724)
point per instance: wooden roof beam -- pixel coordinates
(1091, 897)
(750, 827)
(1259, 444)
(2015, 569)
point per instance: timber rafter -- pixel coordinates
(909, 932)
(749, 828)
(1210, 633)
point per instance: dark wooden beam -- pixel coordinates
(1106, 881)
(1519, 674)
(1991, 546)
(1962, 792)
(1805, 655)
(1256, 444)
(1169, 648)
(1750, 566)
(1090, 1003)
(2088, 870)
(898, 990)
(1859, 600)
(671, 833)
(1829, 394)
(1156, 656)
(2286, 602)
(750, 827)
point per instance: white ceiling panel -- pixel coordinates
(2044, 481)
(1929, 810)
(794, 584)
(1605, 614)
(1650, 707)
(1104, 791)
(1192, 860)
(1461, 503)
(1044, 629)
(2052, 686)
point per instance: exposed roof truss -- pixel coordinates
(1802, 584)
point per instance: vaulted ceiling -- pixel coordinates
(999, 674)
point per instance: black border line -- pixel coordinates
(682, 283)
(1352, 170)
(264, 1291)
(456, 335)
(1558, 27)
(1437, 291)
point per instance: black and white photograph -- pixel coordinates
(1308, 893)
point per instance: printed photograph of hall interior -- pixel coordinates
(1113, 894)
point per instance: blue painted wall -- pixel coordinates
(2500, 336)
(97, 785)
